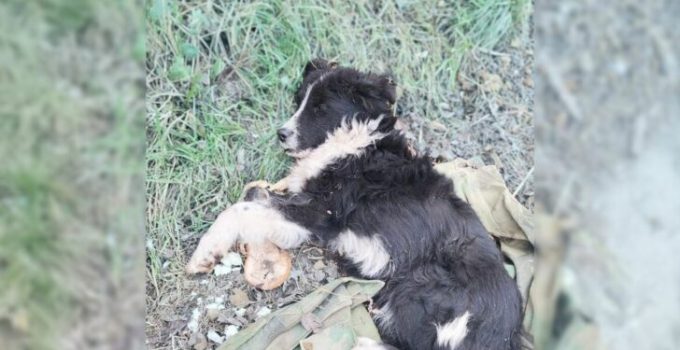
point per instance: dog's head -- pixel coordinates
(330, 95)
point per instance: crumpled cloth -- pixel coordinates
(335, 311)
(333, 316)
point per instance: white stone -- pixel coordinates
(263, 312)
(212, 335)
(230, 330)
(232, 259)
(193, 323)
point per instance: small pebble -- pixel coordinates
(216, 338)
(200, 343)
(212, 314)
(193, 323)
(222, 270)
(230, 330)
(232, 259)
(319, 275)
(239, 298)
(263, 312)
(215, 306)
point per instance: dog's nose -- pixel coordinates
(283, 134)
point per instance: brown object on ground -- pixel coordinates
(267, 266)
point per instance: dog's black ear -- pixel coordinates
(381, 87)
(318, 64)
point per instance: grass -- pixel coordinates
(71, 125)
(221, 77)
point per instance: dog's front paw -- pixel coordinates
(258, 183)
(280, 187)
(208, 254)
(254, 187)
(214, 244)
(203, 264)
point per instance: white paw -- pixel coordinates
(214, 244)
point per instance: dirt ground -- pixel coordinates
(493, 116)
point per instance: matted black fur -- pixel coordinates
(443, 263)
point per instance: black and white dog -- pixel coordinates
(358, 189)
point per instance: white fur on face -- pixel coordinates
(292, 123)
(350, 139)
(248, 222)
(452, 333)
(367, 252)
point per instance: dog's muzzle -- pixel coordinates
(287, 138)
(284, 134)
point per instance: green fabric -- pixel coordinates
(338, 309)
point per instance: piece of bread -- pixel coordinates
(267, 266)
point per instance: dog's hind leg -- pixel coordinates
(247, 222)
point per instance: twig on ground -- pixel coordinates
(479, 120)
(492, 52)
(521, 184)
